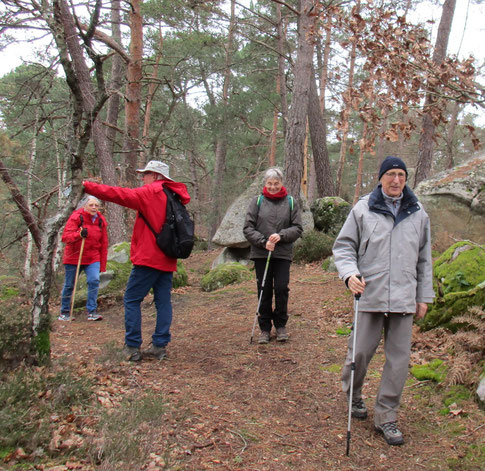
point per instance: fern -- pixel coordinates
(468, 347)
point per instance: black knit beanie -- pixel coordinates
(392, 162)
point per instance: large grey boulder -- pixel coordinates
(455, 202)
(230, 232)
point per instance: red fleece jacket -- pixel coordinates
(151, 201)
(96, 245)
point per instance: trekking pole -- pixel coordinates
(77, 276)
(352, 366)
(260, 296)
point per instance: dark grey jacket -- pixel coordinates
(272, 217)
(392, 254)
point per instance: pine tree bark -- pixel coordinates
(133, 94)
(426, 141)
(318, 133)
(295, 137)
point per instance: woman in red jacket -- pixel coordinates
(84, 223)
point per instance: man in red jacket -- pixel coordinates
(151, 267)
(88, 224)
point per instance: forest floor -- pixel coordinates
(219, 402)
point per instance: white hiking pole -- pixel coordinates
(77, 276)
(352, 366)
(260, 296)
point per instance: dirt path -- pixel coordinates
(232, 405)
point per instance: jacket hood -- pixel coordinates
(179, 188)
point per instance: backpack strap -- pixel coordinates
(291, 201)
(81, 220)
(147, 223)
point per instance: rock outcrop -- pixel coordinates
(455, 202)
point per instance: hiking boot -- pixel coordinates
(392, 434)
(263, 338)
(64, 316)
(359, 410)
(281, 334)
(131, 353)
(94, 316)
(158, 353)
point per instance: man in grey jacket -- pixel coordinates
(386, 241)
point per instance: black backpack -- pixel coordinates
(176, 237)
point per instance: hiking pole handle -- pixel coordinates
(357, 296)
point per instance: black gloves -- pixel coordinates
(84, 233)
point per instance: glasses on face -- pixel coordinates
(393, 175)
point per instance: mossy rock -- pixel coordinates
(459, 283)
(313, 246)
(460, 268)
(435, 371)
(224, 275)
(330, 213)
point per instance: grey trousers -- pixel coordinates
(397, 347)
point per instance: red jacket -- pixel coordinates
(151, 201)
(96, 245)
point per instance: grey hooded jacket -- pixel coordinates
(393, 254)
(272, 216)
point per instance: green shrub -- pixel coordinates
(313, 246)
(329, 214)
(224, 275)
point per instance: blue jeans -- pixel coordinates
(141, 280)
(92, 279)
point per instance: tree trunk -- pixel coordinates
(30, 172)
(450, 135)
(360, 167)
(295, 137)
(281, 68)
(221, 143)
(114, 212)
(152, 87)
(318, 133)
(133, 94)
(426, 144)
(347, 98)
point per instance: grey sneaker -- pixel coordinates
(94, 316)
(158, 353)
(131, 353)
(281, 334)
(263, 338)
(359, 410)
(392, 434)
(64, 316)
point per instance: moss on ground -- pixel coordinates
(435, 371)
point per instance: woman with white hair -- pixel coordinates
(89, 224)
(272, 224)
